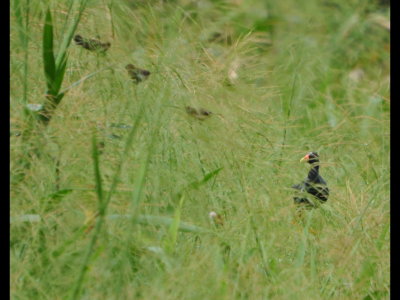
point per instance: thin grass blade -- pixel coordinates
(82, 80)
(19, 19)
(206, 178)
(59, 76)
(97, 175)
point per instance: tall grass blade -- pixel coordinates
(97, 175)
(382, 237)
(139, 182)
(70, 31)
(59, 76)
(90, 250)
(301, 251)
(68, 15)
(140, 179)
(173, 229)
(18, 16)
(288, 108)
(26, 56)
(76, 289)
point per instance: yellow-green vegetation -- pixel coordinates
(113, 180)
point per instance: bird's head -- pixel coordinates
(311, 157)
(77, 38)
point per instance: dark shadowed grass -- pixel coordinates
(126, 215)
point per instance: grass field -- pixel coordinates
(110, 198)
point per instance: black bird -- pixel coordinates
(137, 74)
(91, 44)
(200, 113)
(314, 184)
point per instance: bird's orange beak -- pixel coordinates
(305, 158)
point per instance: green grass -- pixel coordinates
(100, 211)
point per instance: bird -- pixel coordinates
(200, 113)
(216, 218)
(314, 184)
(136, 74)
(91, 44)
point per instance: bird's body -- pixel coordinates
(200, 113)
(136, 74)
(91, 44)
(313, 185)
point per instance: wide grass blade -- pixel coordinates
(55, 66)
(48, 53)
